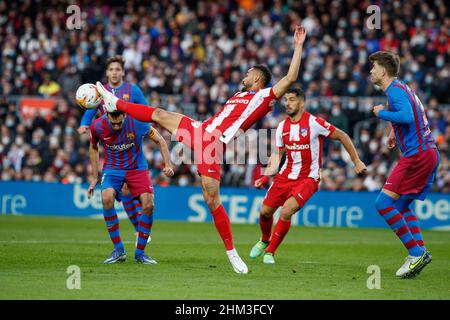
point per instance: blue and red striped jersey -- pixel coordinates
(127, 91)
(122, 148)
(408, 118)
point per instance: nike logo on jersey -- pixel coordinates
(211, 171)
(283, 134)
(107, 138)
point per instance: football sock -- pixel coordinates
(265, 224)
(403, 206)
(145, 226)
(385, 206)
(222, 223)
(280, 231)
(138, 111)
(132, 208)
(112, 224)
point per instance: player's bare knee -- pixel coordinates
(147, 209)
(287, 212)
(266, 213)
(108, 201)
(159, 114)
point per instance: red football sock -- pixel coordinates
(138, 111)
(281, 228)
(222, 223)
(266, 227)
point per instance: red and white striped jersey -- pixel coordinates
(240, 112)
(303, 143)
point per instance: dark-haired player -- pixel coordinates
(208, 139)
(300, 136)
(121, 137)
(414, 173)
(115, 72)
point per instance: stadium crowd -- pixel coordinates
(195, 53)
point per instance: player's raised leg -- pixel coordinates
(265, 223)
(416, 259)
(210, 188)
(168, 120)
(112, 224)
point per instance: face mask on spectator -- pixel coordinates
(408, 77)
(351, 105)
(414, 67)
(428, 79)
(10, 122)
(365, 138)
(68, 131)
(183, 181)
(352, 89)
(439, 62)
(373, 146)
(19, 141)
(6, 140)
(307, 77)
(336, 112)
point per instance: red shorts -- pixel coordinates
(412, 174)
(282, 189)
(138, 181)
(208, 149)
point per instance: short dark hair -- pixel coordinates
(115, 113)
(117, 59)
(298, 92)
(388, 60)
(267, 77)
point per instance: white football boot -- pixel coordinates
(412, 266)
(109, 99)
(238, 265)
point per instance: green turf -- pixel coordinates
(312, 263)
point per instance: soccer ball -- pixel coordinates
(87, 96)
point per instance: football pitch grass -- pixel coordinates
(312, 263)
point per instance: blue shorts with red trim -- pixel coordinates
(138, 181)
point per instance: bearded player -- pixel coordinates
(208, 139)
(300, 136)
(121, 137)
(115, 72)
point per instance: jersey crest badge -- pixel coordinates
(304, 132)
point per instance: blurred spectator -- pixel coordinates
(190, 57)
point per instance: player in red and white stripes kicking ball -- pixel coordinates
(208, 139)
(300, 136)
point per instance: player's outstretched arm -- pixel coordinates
(93, 157)
(340, 135)
(157, 137)
(272, 167)
(282, 86)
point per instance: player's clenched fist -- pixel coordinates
(360, 167)
(377, 109)
(261, 182)
(168, 171)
